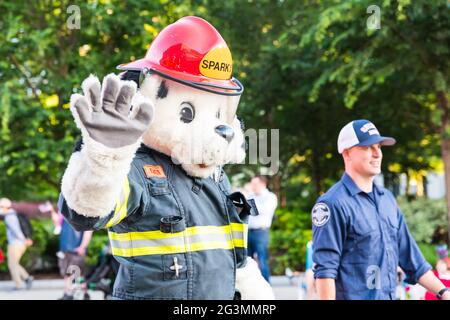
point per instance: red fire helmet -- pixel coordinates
(192, 52)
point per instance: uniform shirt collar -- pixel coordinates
(263, 192)
(258, 195)
(353, 189)
(10, 211)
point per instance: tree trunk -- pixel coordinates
(283, 201)
(425, 186)
(445, 150)
(276, 185)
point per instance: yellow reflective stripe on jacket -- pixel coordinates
(196, 238)
(121, 205)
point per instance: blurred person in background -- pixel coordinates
(311, 293)
(17, 245)
(442, 271)
(72, 255)
(247, 190)
(56, 216)
(400, 290)
(258, 226)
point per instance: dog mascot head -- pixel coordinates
(186, 73)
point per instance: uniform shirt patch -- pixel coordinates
(320, 214)
(152, 171)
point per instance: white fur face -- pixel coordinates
(194, 141)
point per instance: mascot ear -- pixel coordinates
(154, 87)
(131, 75)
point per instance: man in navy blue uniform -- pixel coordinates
(360, 236)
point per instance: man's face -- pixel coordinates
(257, 185)
(364, 160)
(248, 188)
(5, 205)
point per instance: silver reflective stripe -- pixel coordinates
(239, 235)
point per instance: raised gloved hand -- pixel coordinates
(112, 119)
(104, 113)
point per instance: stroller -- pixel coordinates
(103, 274)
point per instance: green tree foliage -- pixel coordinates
(426, 219)
(44, 62)
(308, 67)
(397, 74)
(290, 232)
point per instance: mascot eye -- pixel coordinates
(187, 113)
(218, 114)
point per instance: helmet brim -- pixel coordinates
(230, 87)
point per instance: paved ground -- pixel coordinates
(41, 290)
(284, 288)
(52, 290)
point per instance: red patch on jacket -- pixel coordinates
(152, 171)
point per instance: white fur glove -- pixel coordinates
(251, 284)
(111, 134)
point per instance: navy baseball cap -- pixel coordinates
(361, 133)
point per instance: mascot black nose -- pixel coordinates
(225, 132)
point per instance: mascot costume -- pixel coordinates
(149, 169)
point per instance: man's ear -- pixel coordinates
(130, 75)
(346, 155)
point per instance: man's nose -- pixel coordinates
(225, 132)
(376, 152)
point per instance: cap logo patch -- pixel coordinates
(320, 214)
(152, 171)
(217, 64)
(369, 127)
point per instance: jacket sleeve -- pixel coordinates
(129, 202)
(411, 259)
(329, 233)
(94, 177)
